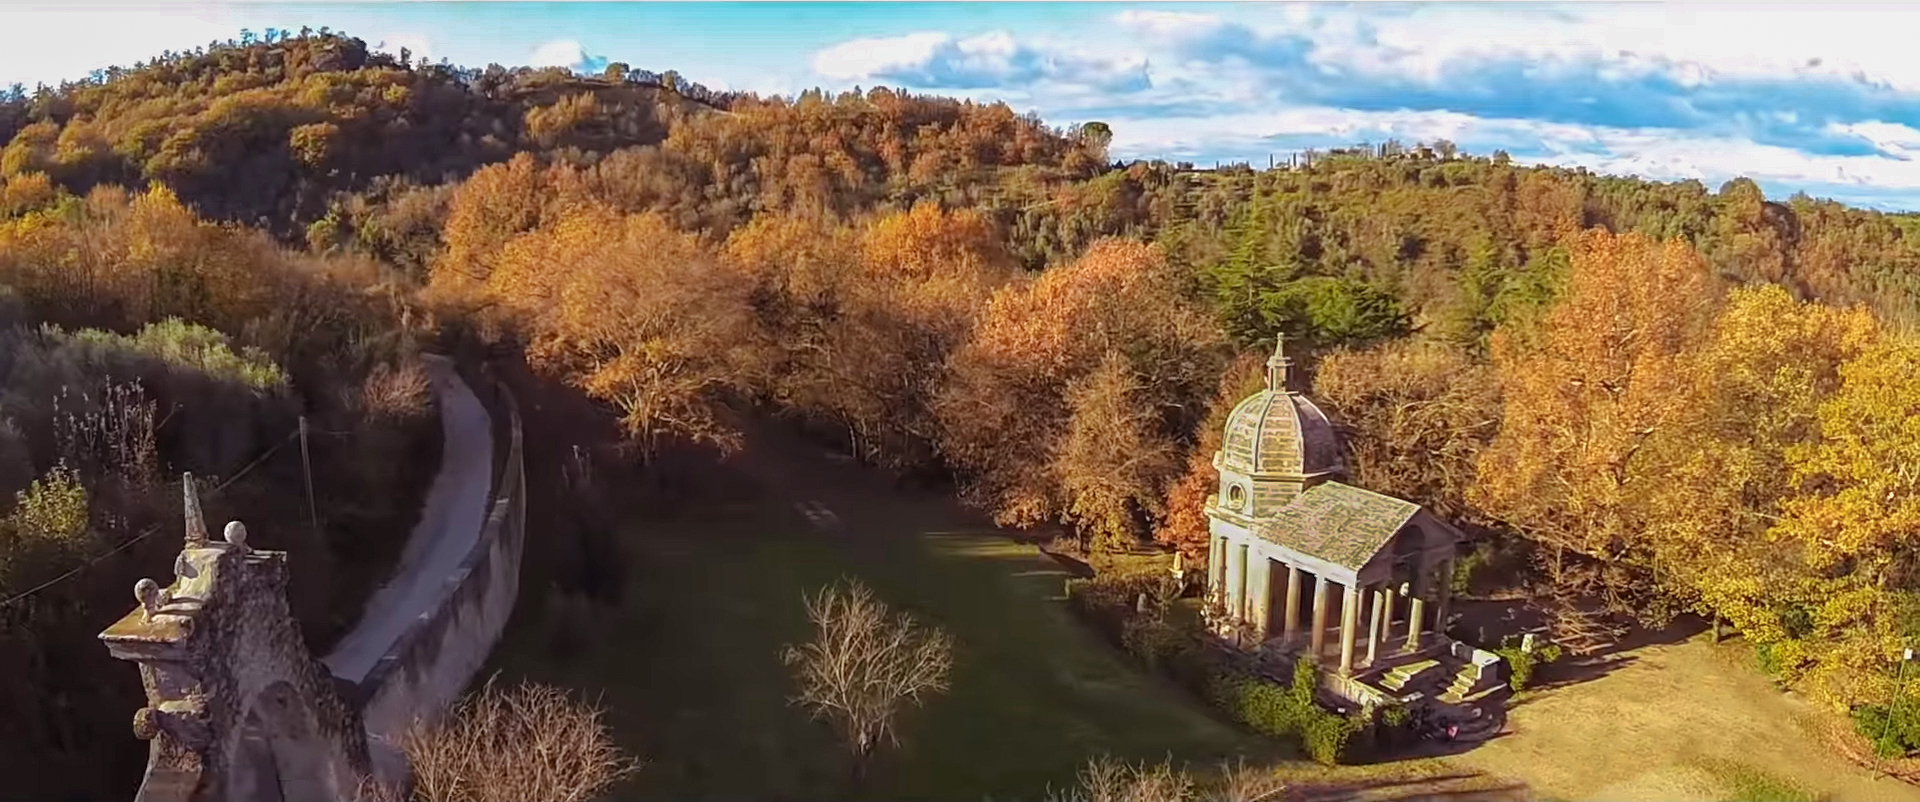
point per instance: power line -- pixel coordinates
(145, 533)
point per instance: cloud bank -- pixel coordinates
(569, 54)
(1822, 99)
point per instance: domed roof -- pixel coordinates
(1278, 431)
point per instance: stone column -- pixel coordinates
(1382, 602)
(1349, 618)
(1240, 555)
(1260, 601)
(1293, 601)
(1317, 639)
(1216, 563)
(1414, 611)
(1226, 574)
(1446, 596)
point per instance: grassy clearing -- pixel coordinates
(688, 665)
(1671, 722)
(1750, 784)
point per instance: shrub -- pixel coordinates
(1165, 641)
(1889, 741)
(1521, 663)
(1111, 601)
(1288, 712)
(1156, 642)
(1396, 716)
(182, 344)
(48, 524)
(1326, 735)
(397, 392)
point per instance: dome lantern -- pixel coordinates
(1277, 443)
(1279, 366)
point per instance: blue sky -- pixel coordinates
(1820, 97)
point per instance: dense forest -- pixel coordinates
(1665, 399)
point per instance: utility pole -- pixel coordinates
(1899, 679)
(306, 464)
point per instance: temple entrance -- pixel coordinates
(1276, 597)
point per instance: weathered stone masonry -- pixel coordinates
(238, 709)
(236, 706)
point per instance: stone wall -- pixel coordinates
(429, 667)
(238, 709)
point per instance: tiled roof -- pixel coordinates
(1279, 432)
(1339, 523)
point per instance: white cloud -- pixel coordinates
(860, 59)
(1692, 41)
(1167, 23)
(1810, 96)
(566, 53)
(996, 60)
(44, 46)
(1891, 138)
(1656, 154)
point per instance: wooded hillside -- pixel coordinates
(1666, 398)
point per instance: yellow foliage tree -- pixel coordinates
(1605, 374)
(1855, 517)
(1756, 385)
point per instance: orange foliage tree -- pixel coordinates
(1184, 524)
(635, 313)
(1414, 417)
(1603, 373)
(859, 321)
(1007, 409)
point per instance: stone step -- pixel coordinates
(1398, 677)
(1459, 695)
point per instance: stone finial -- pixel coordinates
(236, 536)
(1278, 365)
(196, 522)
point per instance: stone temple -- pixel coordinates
(1305, 565)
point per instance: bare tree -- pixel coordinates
(509, 745)
(865, 664)
(1240, 782)
(1104, 779)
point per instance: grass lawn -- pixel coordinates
(1684, 721)
(688, 663)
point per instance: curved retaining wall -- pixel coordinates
(430, 665)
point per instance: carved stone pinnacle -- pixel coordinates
(196, 523)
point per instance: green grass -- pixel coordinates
(1749, 784)
(688, 667)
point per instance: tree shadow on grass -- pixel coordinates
(1575, 670)
(1460, 787)
(1681, 630)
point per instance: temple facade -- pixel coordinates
(1303, 563)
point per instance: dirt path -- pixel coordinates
(449, 526)
(1671, 722)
